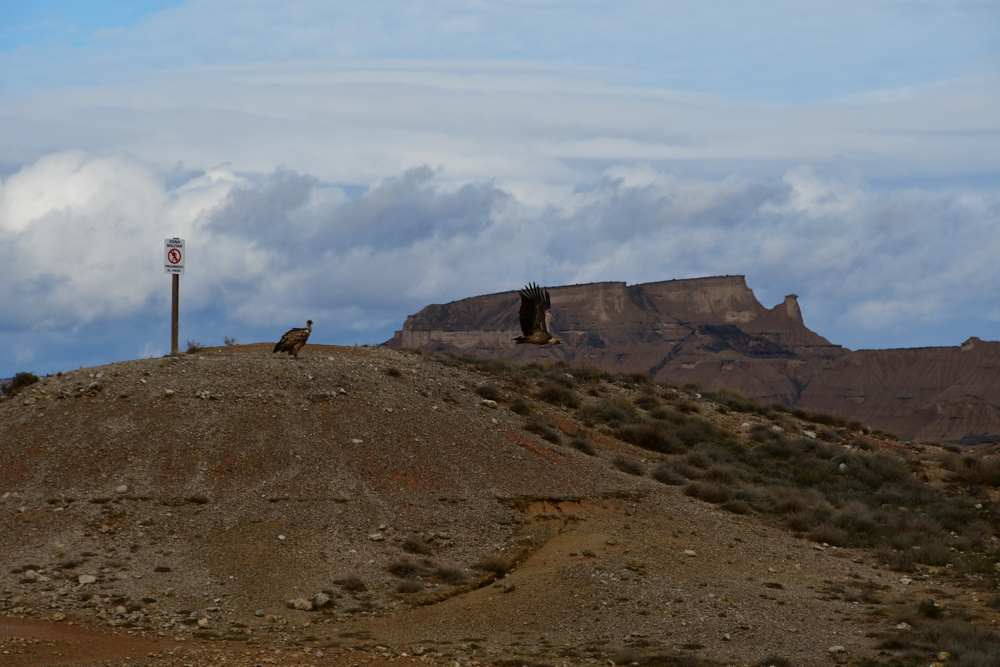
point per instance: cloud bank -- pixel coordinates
(81, 246)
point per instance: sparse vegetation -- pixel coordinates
(353, 584)
(22, 380)
(630, 465)
(228, 341)
(489, 391)
(497, 565)
(541, 426)
(194, 346)
(393, 372)
(415, 545)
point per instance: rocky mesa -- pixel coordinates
(714, 332)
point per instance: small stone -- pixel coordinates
(357, 441)
(121, 489)
(319, 654)
(203, 622)
(842, 468)
(508, 587)
(376, 537)
(29, 576)
(612, 542)
(86, 578)
(168, 392)
(321, 600)
(58, 616)
(836, 649)
(260, 612)
(690, 553)
(944, 655)
(301, 604)
(489, 404)
(281, 537)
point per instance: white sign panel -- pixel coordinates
(173, 256)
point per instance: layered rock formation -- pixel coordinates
(715, 332)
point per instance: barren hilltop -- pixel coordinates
(370, 505)
(714, 332)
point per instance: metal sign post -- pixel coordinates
(173, 263)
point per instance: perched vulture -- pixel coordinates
(535, 316)
(294, 339)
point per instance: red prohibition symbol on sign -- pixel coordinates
(174, 256)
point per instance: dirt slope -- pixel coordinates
(185, 500)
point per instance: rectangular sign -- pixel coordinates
(173, 256)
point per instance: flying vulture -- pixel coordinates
(294, 339)
(535, 316)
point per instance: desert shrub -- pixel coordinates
(494, 564)
(668, 475)
(722, 474)
(228, 341)
(408, 586)
(828, 450)
(855, 517)
(679, 465)
(639, 378)
(800, 521)
(933, 553)
(393, 372)
(979, 470)
(22, 380)
(589, 373)
(415, 545)
(615, 411)
(667, 415)
(789, 500)
(901, 561)
(408, 569)
(194, 346)
(928, 608)
(450, 575)
(827, 534)
(888, 466)
(864, 443)
(629, 465)
(698, 459)
(736, 506)
(489, 391)
(352, 584)
(520, 407)
(818, 417)
(832, 434)
(647, 401)
(697, 430)
(712, 493)
(580, 442)
(544, 428)
(557, 394)
(653, 437)
(687, 406)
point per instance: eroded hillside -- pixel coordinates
(391, 502)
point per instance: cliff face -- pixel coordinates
(715, 332)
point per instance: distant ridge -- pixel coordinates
(713, 331)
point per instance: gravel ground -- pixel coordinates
(177, 510)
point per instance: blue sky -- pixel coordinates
(353, 162)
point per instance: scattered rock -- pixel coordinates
(836, 649)
(86, 579)
(300, 603)
(121, 489)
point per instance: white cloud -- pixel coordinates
(283, 246)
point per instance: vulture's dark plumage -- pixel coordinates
(294, 339)
(535, 316)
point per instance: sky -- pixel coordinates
(352, 162)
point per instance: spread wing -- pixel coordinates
(535, 304)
